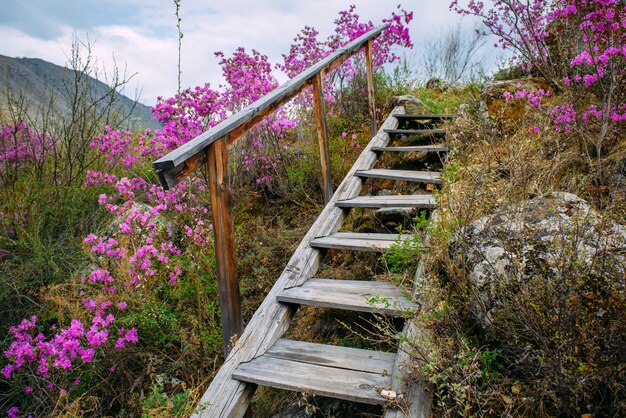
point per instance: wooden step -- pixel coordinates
(353, 295)
(419, 148)
(405, 175)
(423, 117)
(431, 132)
(402, 201)
(339, 372)
(358, 242)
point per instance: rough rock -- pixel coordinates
(533, 239)
(434, 83)
(494, 104)
(397, 216)
(442, 85)
(412, 105)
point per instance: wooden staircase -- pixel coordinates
(262, 357)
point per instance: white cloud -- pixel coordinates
(148, 44)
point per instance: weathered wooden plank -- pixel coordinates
(322, 135)
(354, 295)
(356, 286)
(369, 73)
(417, 394)
(431, 132)
(402, 201)
(424, 117)
(227, 397)
(237, 124)
(348, 358)
(358, 242)
(351, 385)
(351, 244)
(224, 233)
(418, 148)
(405, 175)
(376, 236)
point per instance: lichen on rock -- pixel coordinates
(542, 239)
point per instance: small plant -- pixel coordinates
(405, 253)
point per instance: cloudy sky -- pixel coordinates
(141, 35)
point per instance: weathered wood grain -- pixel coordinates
(224, 233)
(319, 372)
(431, 132)
(358, 242)
(227, 397)
(400, 201)
(239, 123)
(417, 395)
(322, 135)
(405, 175)
(369, 73)
(354, 295)
(333, 356)
(418, 148)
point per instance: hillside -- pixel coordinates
(37, 80)
(472, 262)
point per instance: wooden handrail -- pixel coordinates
(171, 167)
(211, 149)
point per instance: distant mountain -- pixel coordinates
(38, 79)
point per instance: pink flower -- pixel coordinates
(7, 371)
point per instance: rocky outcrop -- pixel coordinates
(412, 105)
(544, 238)
(443, 85)
(494, 103)
(394, 217)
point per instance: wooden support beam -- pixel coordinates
(224, 232)
(417, 391)
(322, 135)
(369, 68)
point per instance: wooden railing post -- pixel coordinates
(369, 68)
(322, 135)
(224, 233)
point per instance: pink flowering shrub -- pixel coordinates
(149, 290)
(21, 149)
(579, 46)
(249, 76)
(159, 241)
(20, 145)
(149, 257)
(308, 49)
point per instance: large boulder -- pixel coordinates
(412, 105)
(558, 237)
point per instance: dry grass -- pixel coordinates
(497, 161)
